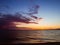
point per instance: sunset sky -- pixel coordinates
(49, 10)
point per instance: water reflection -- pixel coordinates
(31, 36)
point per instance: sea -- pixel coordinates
(30, 36)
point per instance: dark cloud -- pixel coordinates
(6, 19)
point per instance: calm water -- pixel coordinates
(34, 36)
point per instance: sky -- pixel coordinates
(49, 10)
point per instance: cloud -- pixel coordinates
(6, 19)
(4, 8)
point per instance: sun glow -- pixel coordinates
(40, 25)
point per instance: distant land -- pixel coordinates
(49, 29)
(25, 28)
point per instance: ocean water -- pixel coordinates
(31, 36)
